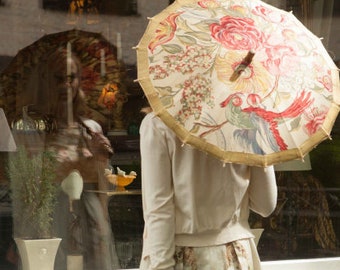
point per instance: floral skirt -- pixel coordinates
(237, 255)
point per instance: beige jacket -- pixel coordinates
(193, 199)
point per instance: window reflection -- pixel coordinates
(306, 223)
(81, 7)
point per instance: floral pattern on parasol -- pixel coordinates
(283, 102)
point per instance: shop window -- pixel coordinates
(306, 223)
(115, 7)
(55, 5)
(119, 7)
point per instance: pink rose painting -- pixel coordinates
(237, 33)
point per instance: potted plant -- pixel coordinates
(34, 196)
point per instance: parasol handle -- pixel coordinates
(241, 67)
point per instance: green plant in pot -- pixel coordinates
(34, 197)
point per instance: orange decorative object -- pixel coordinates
(120, 181)
(123, 181)
(108, 96)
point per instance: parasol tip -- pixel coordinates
(326, 133)
(241, 67)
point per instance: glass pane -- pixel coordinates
(67, 85)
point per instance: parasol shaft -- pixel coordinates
(102, 63)
(69, 107)
(69, 89)
(68, 65)
(241, 67)
(119, 47)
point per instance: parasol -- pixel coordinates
(239, 79)
(98, 58)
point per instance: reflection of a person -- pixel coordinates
(54, 99)
(79, 144)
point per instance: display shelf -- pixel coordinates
(110, 193)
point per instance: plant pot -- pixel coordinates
(37, 254)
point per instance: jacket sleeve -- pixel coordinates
(262, 190)
(157, 192)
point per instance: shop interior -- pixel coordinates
(102, 35)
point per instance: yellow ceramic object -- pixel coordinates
(120, 181)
